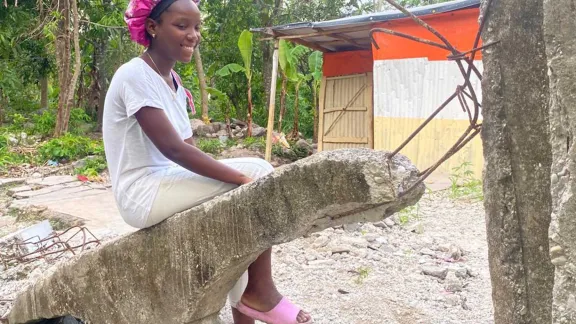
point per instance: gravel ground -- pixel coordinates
(381, 279)
(426, 265)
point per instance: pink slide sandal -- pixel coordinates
(284, 313)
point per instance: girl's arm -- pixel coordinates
(158, 128)
(190, 141)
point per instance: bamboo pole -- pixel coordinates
(268, 154)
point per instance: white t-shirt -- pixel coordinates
(136, 166)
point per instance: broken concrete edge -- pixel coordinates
(185, 265)
(4, 183)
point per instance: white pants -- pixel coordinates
(182, 189)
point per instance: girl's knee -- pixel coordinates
(262, 167)
(267, 168)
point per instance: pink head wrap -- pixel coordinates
(135, 16)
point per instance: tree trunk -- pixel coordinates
(101, 97)
(80, 91)
(268, 49)
(63, 63)
(44, 92)
(66, 102)
(559, 27)
(77, 63)
(202, 81)
(282, 102)
(517, 157)
(98, 78)
(295, 132)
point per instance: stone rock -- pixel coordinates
(375, 257)
(381, 224)
(389, 222)
(461, 273)
(203, 130)
(452, 284)
(195, 123)
(369, 228)
(13, 140)
(222, 132)
(455, 252)
(361, 253)
(435, 271)
(302, 143)
(471, 272)
(351, 227)
(258, 131)
(186, 265)
(371, 237)
(427, 251)
(241, 133)
(336, 249)
(452, 299)
(354, 241)
(321, 241)
(382, 240)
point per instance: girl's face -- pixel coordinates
(177, 33)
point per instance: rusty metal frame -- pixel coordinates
(462, 91)
(50, 248)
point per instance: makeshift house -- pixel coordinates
(376, 96)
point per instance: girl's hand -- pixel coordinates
(245, 180)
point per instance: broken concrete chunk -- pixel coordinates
(186, 265)
(14, 190)
(434, 271)
(51, 181)
(11, 181)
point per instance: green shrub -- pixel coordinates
(69, 147)
(212, 146)
(255, 143)
(92, 167)
(8, 158)
(294, 153)
(78, 119)
(44, 124)
(230, 143)
(464, 184)
(18, 121)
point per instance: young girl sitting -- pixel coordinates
(155, 168)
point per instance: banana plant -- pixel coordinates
(223, 99)
(300, 78)
(246, 47)
(288, 59)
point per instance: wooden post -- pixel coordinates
(268, 155)
(321, 103)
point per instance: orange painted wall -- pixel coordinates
(347, 63)
(458, 27)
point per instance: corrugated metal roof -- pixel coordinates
(352, 33)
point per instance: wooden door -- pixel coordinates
(346, 112)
